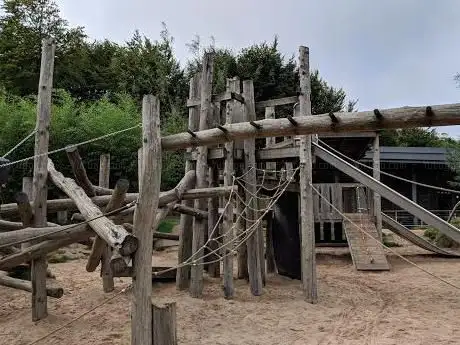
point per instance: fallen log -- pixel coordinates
(55, 205)
(79, 171)
(26, 285)
(114, 235)
(117, 200)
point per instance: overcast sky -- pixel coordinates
(385, 53)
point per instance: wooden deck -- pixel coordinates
(367, 255)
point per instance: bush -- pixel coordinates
(431, 233)
(167, 225)
(440, 239)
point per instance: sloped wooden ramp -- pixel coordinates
(367, 255)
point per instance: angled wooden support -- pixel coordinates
(79, 171)
(117, 200)
(114, 235)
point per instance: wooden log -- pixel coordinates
(103, 190)
(144, 218)
(199, 228)
(253, 241)
(181, 208)
(55, 205)
(213, 226)
(405, 117)
(164, 324)
(119, 263)
(40, 190)
(26, 285)
(108, 284)
(62, 216)
(242, 255)
(57, 232)
(79, 171)
(178, 192)
(25, 210)
(377, 201)
(156, 234)
(6, 225)
(114, 235)
(307, 225)
(186, 221)
(229, 170)
(117, 200)
(36, 251)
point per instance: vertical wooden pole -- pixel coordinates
(164, 324)
(186, 221)
(27, 188)
(40, 188)
(233, 85)
(213, 205)
(307, 225)
(144, 217)
(253, 242)
(106, 271)
(196, 283)
(139, 168)
(269, 254)
(377, 202)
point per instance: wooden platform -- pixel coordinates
(367, 255)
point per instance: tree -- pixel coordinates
(23, 26)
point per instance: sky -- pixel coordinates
(386, 54)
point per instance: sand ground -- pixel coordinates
(402, 306)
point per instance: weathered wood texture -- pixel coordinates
(144, 217)
(186, 220)
(242, 255)
(79, 171)
(181, 208)
(108, 284)
(377, 201)
(366, 253)
(213, 226)
(164, 324)
(199, 226)
(233, 85)
(307, 225)
(114, 235)
(405, 117)
(26, 285)
(40, 190)
(253, 241)
(25, 210)
(165, 198)
(269, 250)
(117, 200)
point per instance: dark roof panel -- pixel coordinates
(410, 155)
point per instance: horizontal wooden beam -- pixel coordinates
(215, 154)
(405, 117)
(55, 205)
(26, 285)
(226, 96)
(277, 101)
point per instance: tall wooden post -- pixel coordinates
(253, 242)
(106, 271)
(144, 217)
(186, 221)
(40, 188)
(307, 225)
(196, 283)
(377, 204)
(213, 205)
(233, 85)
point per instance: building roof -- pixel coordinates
(410, 155)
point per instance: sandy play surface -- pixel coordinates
(403, 306)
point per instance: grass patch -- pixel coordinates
(59, 258)
(167, 225)
(389, 241)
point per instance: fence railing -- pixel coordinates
(412, 222)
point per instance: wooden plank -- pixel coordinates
(276, 102)
(196, 281)
(253, 241)
(40, 189)
(108, 284)
(307, 226)
(405, 117)
(272, 154)
(144, 218)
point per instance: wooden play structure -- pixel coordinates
(227, 194)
